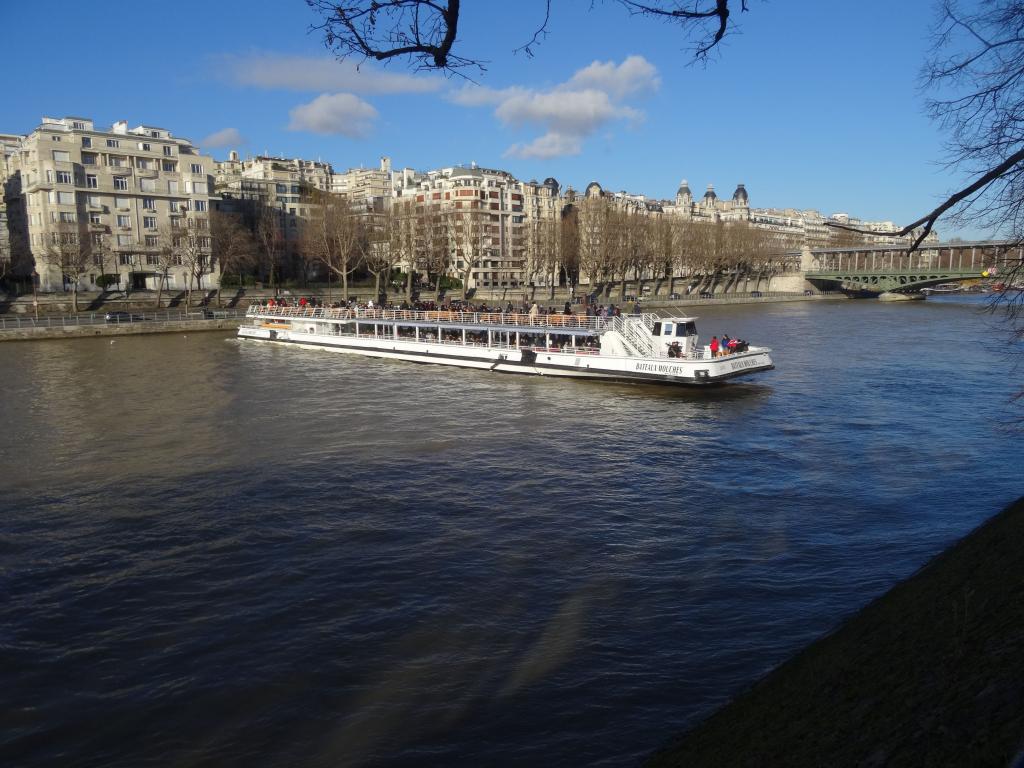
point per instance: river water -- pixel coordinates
(217, 553)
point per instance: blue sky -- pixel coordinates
(812, 105)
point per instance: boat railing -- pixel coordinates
(519, 319)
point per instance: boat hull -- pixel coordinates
(537, 363)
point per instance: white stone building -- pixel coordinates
(134, 202)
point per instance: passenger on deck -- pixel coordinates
(724, 345)
(674, 350)
(714, 346)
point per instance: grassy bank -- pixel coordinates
(929, 674)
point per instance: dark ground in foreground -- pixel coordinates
(929, 674)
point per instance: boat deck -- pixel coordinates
(506, 321)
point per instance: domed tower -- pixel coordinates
(553, 185)
(739, 197)
(710, 197)
(593, 190)
(684, 198)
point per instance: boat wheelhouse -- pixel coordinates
(627, 348)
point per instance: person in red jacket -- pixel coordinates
(714, 346)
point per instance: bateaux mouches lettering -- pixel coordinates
(673, 370)
(748, 362)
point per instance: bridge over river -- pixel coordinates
(881, 268)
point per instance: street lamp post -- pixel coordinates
(35, 295)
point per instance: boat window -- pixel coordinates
(656, 331)
(668, 329)
(686, 329)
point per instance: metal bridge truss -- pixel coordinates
(877, 270)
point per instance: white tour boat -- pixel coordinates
(627, 348)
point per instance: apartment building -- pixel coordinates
(283, 188)
(477, 215)
(710, 207)
(9, 143)
(132, 205)
(372, 188)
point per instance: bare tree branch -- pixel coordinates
(696, 12)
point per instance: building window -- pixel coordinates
(196, 168)
(149, 203)
(149, 222)
(201, 205)
(77, 126)
(49, 176)
(86, 141)
(169, 166)
(65, 198)
(55, 138)
(94, 200)
(91, 181)
(63, 177)
(122, 202)
(172, 187)
(68, 217)
(151, 241)
(124, 259)
(120, 182)
(97, 239)
(145, 147)
(61, 156)
(114, 162)
(167, 151)
(113, 143)
(88, 159)
(94, 218)
(124, 221)
(151, 259)
(147, 185)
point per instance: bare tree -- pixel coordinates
(270, 241)
(167, 255)
(335, 237)
(467, 230)
(434, 244)
(596, 253)
(399, 225)
(232, 245)
(381, 251)
(67, 251)
(425, 32)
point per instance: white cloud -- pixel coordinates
(547, 146)
(480, 96)
(228, 137)
(634, 75)
(334, 113)
(318, 73)
(567, 112)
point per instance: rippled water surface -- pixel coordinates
(234, 554)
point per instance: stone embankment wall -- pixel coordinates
(929, 674)
(115, 329)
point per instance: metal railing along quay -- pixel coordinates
(13, 322)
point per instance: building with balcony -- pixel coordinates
(470, 224)
(128, 207)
